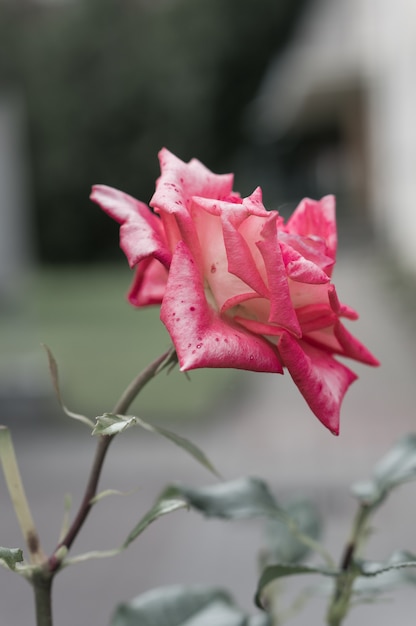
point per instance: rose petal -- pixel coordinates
(235, 212)
(149, 283)
(342, 310)
(240, 260)
(315, 317)
(353, 348)
(179, 181)
(213, 260)
(314, 218)
(312, 269)
(282, 312)
(141, 233)
(201, 337)
(321, 380)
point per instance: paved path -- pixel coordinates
(268, 432)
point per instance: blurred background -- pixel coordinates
(301, 97)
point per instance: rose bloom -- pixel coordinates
(237, 286)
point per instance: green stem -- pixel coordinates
(103, 444)
(42, 586)
(341, 599)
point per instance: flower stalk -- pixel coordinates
(341, 600)
(127, 397)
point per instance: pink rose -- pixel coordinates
(238, 287)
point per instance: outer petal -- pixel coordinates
(179, 181)
(353, 348)
(321, 379)
(141, 234)
(342, 310)
(316, 219)
(201, 337)
(149, 283)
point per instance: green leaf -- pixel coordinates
(238, 499)
(168, 502)
(285, 538)
(53, 369)
(183, 606)
(110, 424)
(281, 570)
(11, 556)
(395, 468)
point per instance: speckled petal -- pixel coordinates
(321, 380)
(201, 337)
(141, 233)
(149, 283)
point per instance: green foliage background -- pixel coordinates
(107, 83)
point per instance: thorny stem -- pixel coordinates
(103, 443)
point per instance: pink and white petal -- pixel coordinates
(240, 260)
(213, 260)
(117, 204)
(321, 380)
(139, 242)
(141, 233)
(316, 218)
(324, 339)
(259, 328)
(342, 310)
(149, 283)
(315, 317)
(303, 294)
(201, 337)
(282, 312)
(179, 181)
(300, 268)
(244, 300)
(254, 204)
(353, 348)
